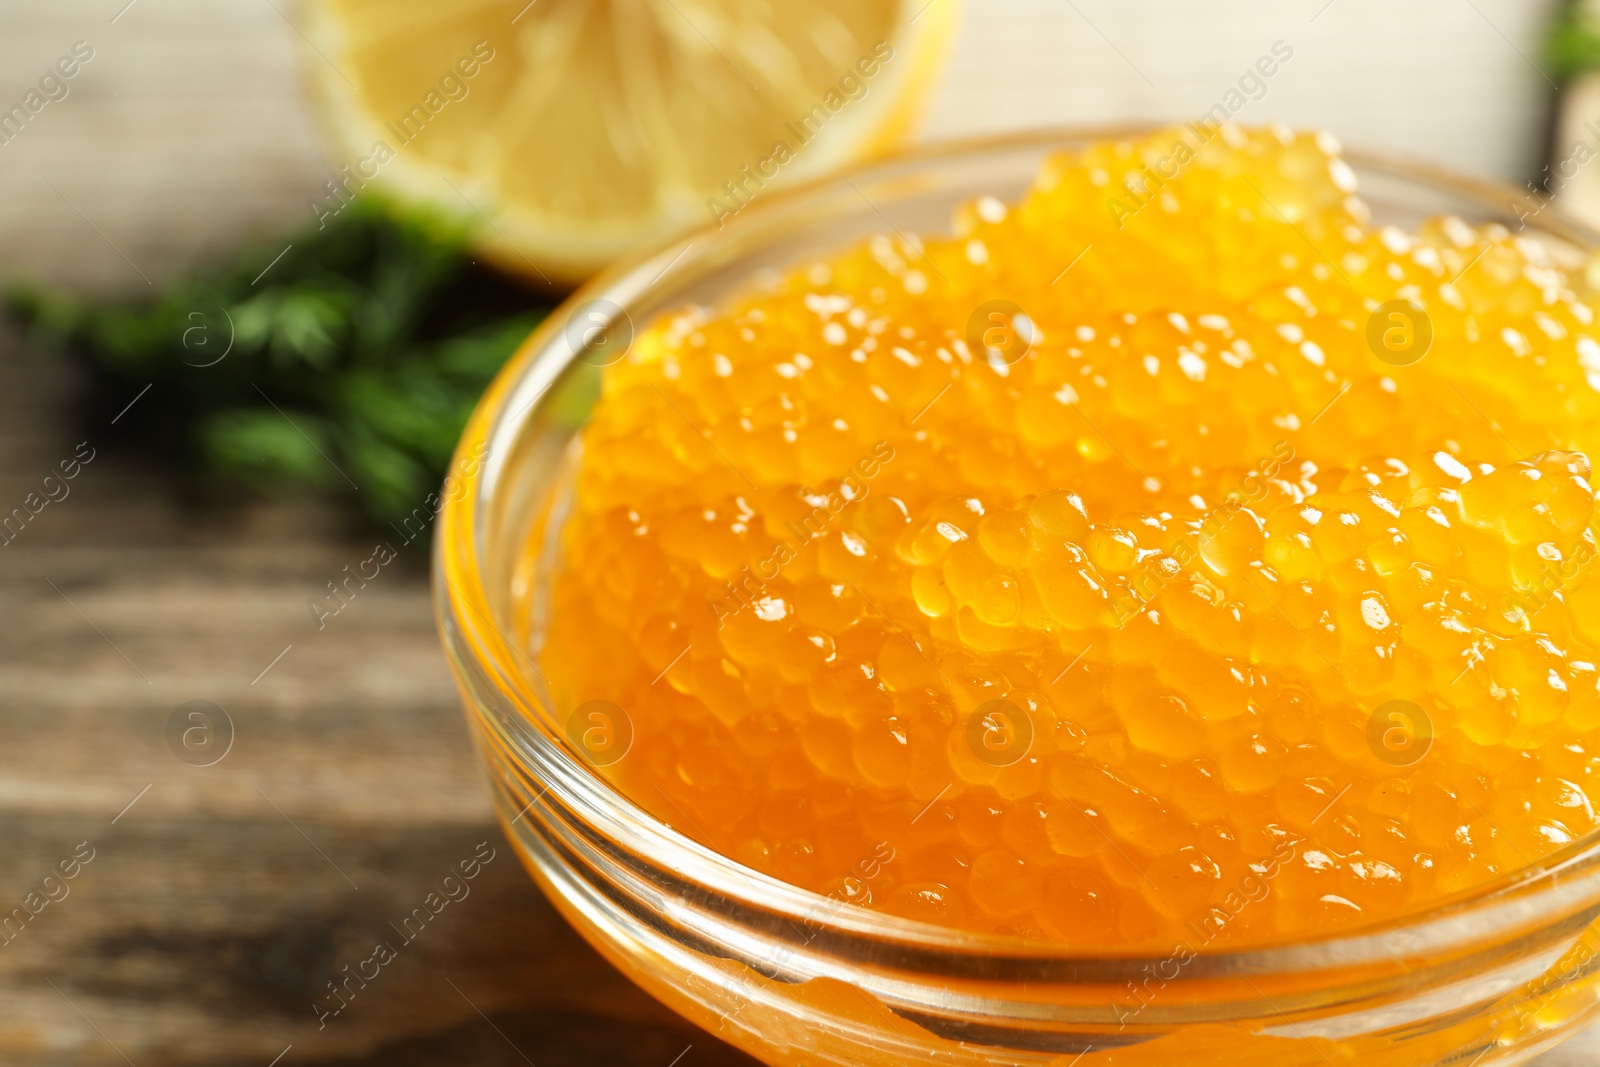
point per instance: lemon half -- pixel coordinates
(571, 131)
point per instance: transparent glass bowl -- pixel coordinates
(1492, 977)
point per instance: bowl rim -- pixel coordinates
(1522, 899)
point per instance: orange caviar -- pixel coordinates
(1157, 555)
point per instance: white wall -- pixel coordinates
(1434, 78)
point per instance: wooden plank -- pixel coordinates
(217, 907)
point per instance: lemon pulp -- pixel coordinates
(570, 131)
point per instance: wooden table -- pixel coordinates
(220, 899)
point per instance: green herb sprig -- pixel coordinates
(1573, 47)
(348, 366)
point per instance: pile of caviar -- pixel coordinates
(1118, 570)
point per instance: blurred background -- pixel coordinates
(190, 130)
(332, 785)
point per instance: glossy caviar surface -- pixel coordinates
(1171, 554)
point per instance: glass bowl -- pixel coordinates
(1490, 977)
